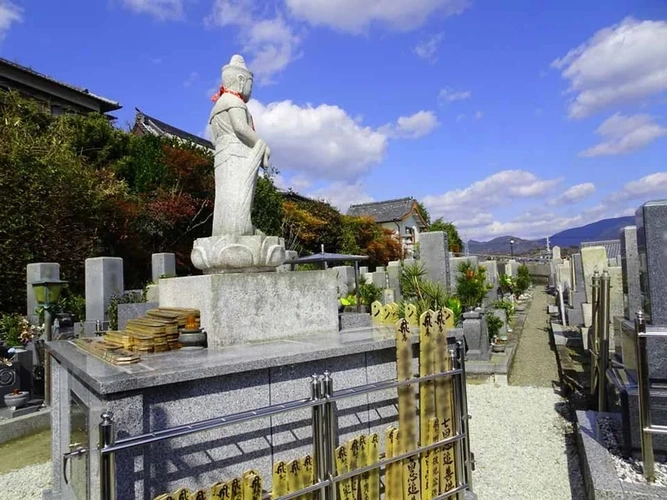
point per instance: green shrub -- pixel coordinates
(418, 290)
(471, 287)
(507, 305)
(369, 293)
(493, 324)
(10, 329)
(523, 281)
(454, 304)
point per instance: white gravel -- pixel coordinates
(629, 470)
(523, 448)
(27, 483)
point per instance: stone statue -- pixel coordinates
(239, 154)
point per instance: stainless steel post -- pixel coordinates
(465, 417)
(593, 338)
(107, 460)
(330, 434)
(603, 351)
(644, 392)
(458, 446)
(48, 328)
(317, 427)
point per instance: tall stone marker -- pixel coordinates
(35, 272)
(164, 265)
(593, 259)
(434, 255)
(104, 278)
(632, 300)
(651, 220)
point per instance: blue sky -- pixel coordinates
(507, 117)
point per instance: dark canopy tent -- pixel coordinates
(325, 258)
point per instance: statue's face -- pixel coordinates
(245, 85)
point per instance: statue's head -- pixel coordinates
(237, 77)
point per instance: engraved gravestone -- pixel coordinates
(632, 300)
(651, 221)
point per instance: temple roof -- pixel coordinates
(7, 67)
(385, 211)
(158, 127)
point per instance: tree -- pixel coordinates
(423, 213)
(455, 243)
(53, 204)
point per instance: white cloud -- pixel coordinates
(573, 194)
(538, 222)
(498, 189)
(159, 9)
(411, 127)
(479, 115)
(652, 185)
(10, 13)
(427, 49)
(621, 63)
(460, 117)
(192, 78)
(355, 15)
(342, 194)
(271, 42)
(622, 134)
(318, 142)
(450, 95)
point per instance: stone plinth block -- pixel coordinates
(35, 272)
(126, 312)
(238, 308)
(434, 256)
(232, 253)
(164, 265)
(104, 278)
(593, 259)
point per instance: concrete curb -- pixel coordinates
(14, 428)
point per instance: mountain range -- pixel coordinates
(605, 229)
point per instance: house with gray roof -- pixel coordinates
(401, 216)
(144, 124)
(57, 97)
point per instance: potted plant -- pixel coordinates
(494, 324)
(16, 399)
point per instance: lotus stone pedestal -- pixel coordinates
(238, 308)
(233, 253)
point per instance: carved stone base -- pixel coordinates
(234, 254)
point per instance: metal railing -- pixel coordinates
(325, 433)
(646, 428)
(598, 343)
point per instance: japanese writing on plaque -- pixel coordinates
(413, 479)
(448, 456)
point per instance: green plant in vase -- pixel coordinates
(493, 324)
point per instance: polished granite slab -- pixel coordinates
(180, 366)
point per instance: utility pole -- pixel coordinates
(548, 247)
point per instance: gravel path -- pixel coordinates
(522, 446)
(535, 362)
(27, 483)
(521, 434)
